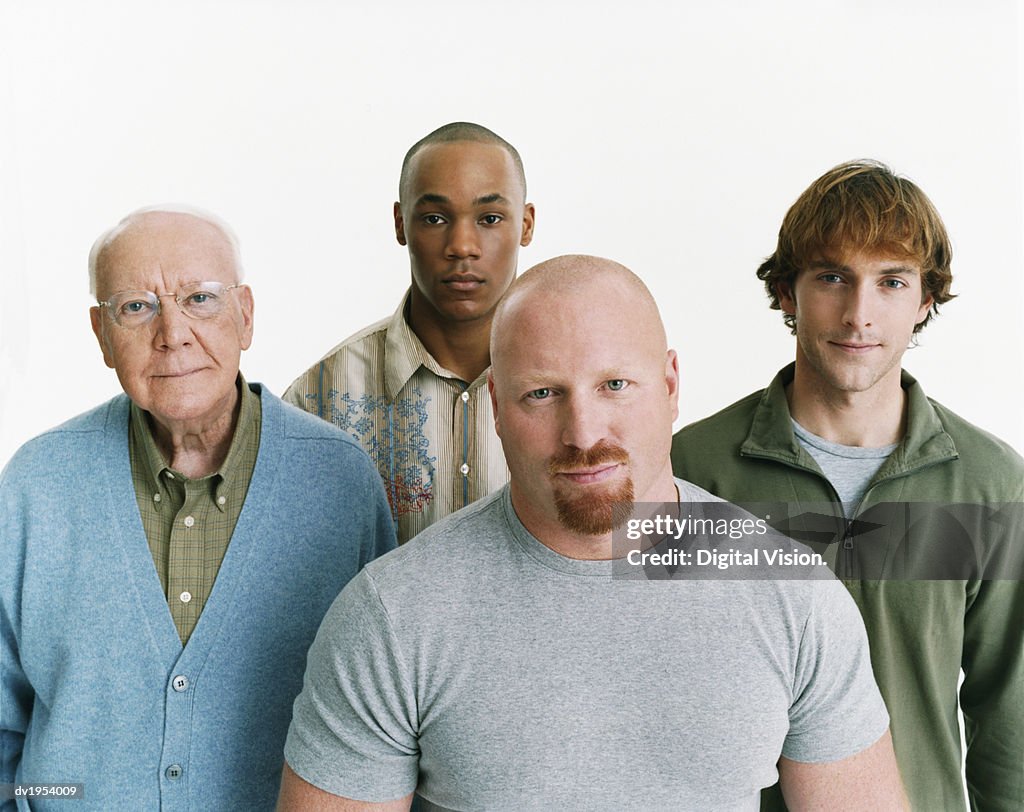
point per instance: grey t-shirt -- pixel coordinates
(849, 468)
(483, 669)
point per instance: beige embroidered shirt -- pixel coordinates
(430, 434)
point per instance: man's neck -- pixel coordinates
(873, 418)
(197, 449)
(462, 348)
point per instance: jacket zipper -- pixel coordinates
(844, 562)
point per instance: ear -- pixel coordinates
(96, 317)
(672, 381)
(787, 301)
(399, 224)
(922, 312)
(494, 402)
(529, 213)
(248, 305)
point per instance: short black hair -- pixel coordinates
(461, 131)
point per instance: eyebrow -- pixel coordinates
(825, 265)
(484, 200)
(541, 379)
(488, 199)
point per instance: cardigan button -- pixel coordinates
(174, 772)
(180, 683)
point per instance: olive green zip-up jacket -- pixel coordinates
(946, 505)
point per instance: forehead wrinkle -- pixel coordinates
(569, 299)
(156, 250)
(571, 351)
(533, 378)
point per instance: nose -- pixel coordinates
(463, 239)
(172, 327)
(583, 422)
(857, 306)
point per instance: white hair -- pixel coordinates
(111, 234)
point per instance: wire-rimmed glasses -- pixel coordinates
(197, 300)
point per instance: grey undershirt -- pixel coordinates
(849, 468)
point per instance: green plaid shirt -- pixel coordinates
(189, 522)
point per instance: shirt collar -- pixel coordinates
(151, 458)
(771, 432)
(244, 429)
(154, 461)
(404, 354)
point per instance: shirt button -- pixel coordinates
(221, 500)
(464, 468)
(174, 772)
(156, 497)
(465, 397)
(180, 683)
(169, 476)
(185, 596)
(189, 521)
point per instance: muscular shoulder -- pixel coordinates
(451, 555)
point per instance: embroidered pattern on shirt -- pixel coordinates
(393, 436)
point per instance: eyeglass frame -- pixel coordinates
(159, 305)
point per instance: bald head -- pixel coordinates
(192, 223)
(577, 286)
(584, 391)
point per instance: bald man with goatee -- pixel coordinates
(499, 662)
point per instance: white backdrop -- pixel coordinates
(670, 139)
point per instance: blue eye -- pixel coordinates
(204, 302)
(539, 394)
(616, 384)
(134, 308)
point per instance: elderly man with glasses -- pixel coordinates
(165, 565)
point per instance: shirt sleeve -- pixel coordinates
(837, 710)
(992, 694)
(354, 727)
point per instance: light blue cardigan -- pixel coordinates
(89, 657)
